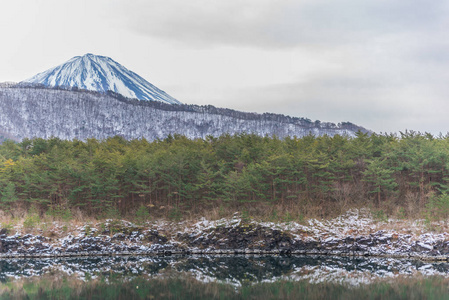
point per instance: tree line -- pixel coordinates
(409, 172)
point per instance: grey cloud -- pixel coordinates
(281, 23)
(432, 52)
(337, 22)
(386, 61)
(375, 104)
(202, 21)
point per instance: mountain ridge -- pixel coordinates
(38, 111)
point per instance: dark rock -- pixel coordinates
(365, 241)
(349, 240)
(442, 247)
(286, 252)
(421, 247)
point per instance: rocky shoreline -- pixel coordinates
(352, 234)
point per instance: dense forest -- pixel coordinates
(405, 174)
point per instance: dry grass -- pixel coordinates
(299, 210)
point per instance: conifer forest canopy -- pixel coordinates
(409, 171)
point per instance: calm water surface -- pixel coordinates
(222, 277)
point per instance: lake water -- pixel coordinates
(223, 277)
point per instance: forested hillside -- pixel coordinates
(312, 175)
(28, 111)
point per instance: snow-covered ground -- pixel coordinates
(354, 233)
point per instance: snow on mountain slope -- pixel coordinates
(101, 74)
(27, 111)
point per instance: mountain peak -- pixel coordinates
(101, 74)
(93, 57)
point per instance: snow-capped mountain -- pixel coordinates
(101, 74)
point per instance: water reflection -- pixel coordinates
(235, 270)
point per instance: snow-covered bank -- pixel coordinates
(355, 233)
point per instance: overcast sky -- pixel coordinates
(382, 64)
